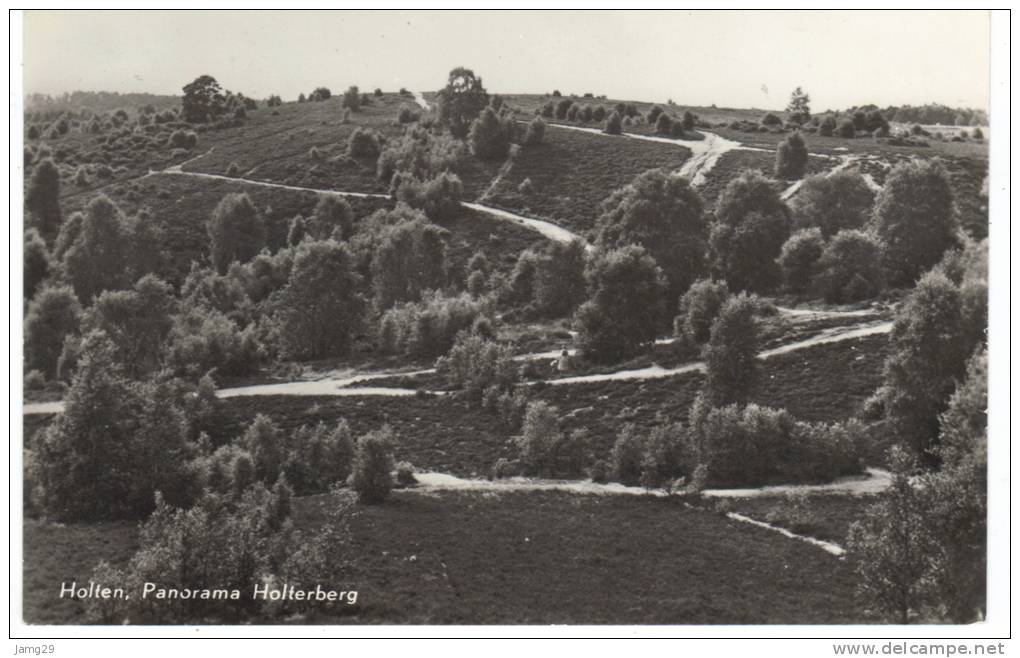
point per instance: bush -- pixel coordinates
(37, 263)
(317, 458)
(476, 364)
(363, 143)
(333, 216)
(42, 198)
(663, 124)
(827, 126)
(428, 328)
(625, 308)
(699, 308)
(833, 202)
(850, 267)
(409, 258)
(352, 99)
(407, 114)
(420, 153)
(613, 125)
(536, 132)
(628, 456)
(539, 439)
(771, 120)
(799, 259)
(598, 114)
(791, 157)
(438, 197)
(846, 129)
(558, 284)
(731, 355)
(371, 474)
(405, 475)
(203, 339)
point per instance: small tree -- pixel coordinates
(98, 257)
(352, 98)
(799, 259)
(892, 548)
(320, 307)
(625, 308)
(52, 316)
(540, 437)
(42, 198)
(613, 124)
(536, 132)
(332, 213)
(846, 129)
(461, 100)
(731, 355)
(827, 126)
(799, 104)
(203, 100)
(663, 123)
(37, 262)
(699, 308)
(372, 470)
(559, 284)
(850, 268)
(833, 202)
(490, 135)
(236, 231)
(688, 121)
(916, 219)
(791, 157)
(410, 258)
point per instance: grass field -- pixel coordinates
(823, 516)
(573, 172)
(523, 558)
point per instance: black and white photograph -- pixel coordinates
(334, 320)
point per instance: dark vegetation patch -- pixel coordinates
(540, 557)
(572, 172)
(733, 162)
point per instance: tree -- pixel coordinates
(799, 104)
(747, 238)
(115, 444)
(42, 198)
(137, 321)
(37, 262)
(461, 100)
(929, 350)
(663, 123)
(536, 132)
(409, 259)
(491, 135)
(332, 212)
(625, 307)
(352, 98)
(236, 231)
(664, 214)
(540, 436)
(791, 157)
(203, 100)
(320, 308)
(699, 307)
(99, 256)
(371, 475)
(52, 316)
(731, 355)
(891, 546)
(915, 218)
(689, 120)
(559, 284)
(828, 126)
(799, 259)
(833, 202)
(850, 268)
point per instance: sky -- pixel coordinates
(729, 58)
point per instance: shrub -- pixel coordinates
(688, 121)
(475, 364)
(318, 457)
(405, 475)
(371, 474)
(799, 259)
(613, 125)
(562, 108)
(847, 129)
(915, 219)
(731, 355)
(850, 267)
(834, 202)
(628, 455)
(438, 197)
(827, 126)
(539, 439)
(428, 328)
(37, 263)
(977, 134)
(771, 120)
(699, 307)
(409, 258)
(407, 114)
(536, 132)
(352, 98)
(320, 308)
(420, 153)
(598, 114)
(363, 143)
(625, 308)
(791, 157)
(663, 124)
(676, 131)
(559, 284)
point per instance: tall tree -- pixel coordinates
(99, 257)
(236, 231)
(203, 100)
(461, 100)
(731, 355)
(42, 198)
